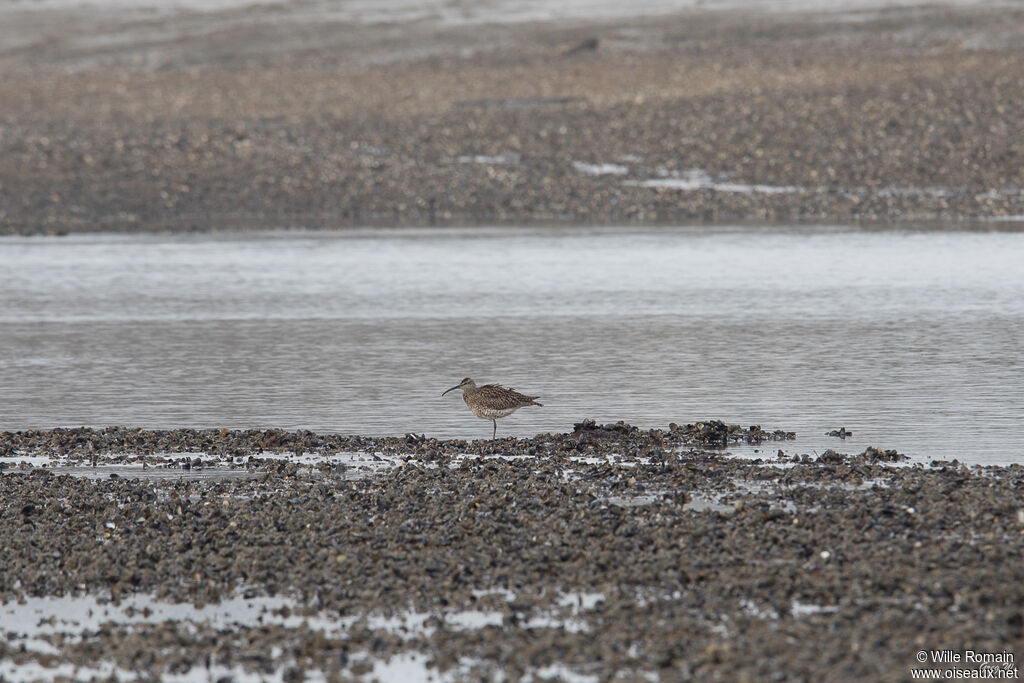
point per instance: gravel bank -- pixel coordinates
(708, 116)
(605, 552)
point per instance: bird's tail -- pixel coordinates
(534, 399)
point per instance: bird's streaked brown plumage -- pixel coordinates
(490, 401)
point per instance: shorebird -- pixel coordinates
(491, 401)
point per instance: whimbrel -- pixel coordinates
(491, 401)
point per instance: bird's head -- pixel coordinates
(466, 383)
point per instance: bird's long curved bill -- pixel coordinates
(452, 389)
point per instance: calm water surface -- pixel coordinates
(911, 339)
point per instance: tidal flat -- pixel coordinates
(310, 116)
(605, 553)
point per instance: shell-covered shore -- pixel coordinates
(607, 551)
(899, 115)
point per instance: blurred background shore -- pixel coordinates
(195, 116)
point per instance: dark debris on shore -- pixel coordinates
(87, 442)
(686, 588)
(908, 121)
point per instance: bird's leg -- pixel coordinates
(495, 432)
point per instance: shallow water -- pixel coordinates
(911, 339)
(33, 622)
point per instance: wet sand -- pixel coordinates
(257, 119)
(604, 553)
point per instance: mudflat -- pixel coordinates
(604, 553)
(258, 117)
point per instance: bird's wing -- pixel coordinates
(505, 394)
